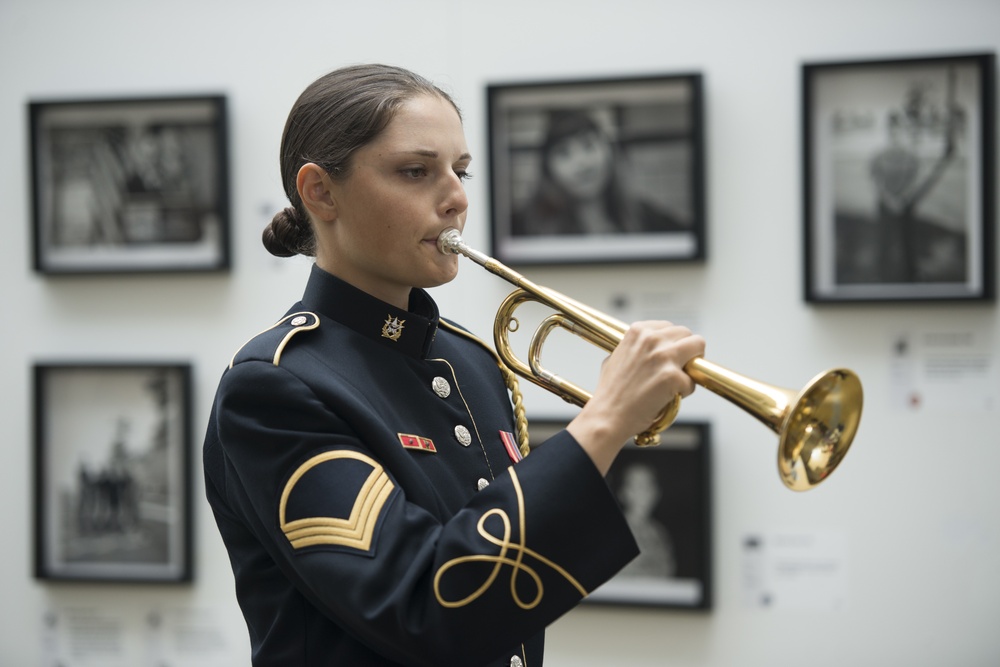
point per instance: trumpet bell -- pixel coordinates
(818, 429)
(815, 425)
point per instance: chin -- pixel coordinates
(448, 277)
(440, 277)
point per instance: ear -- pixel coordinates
(313, 184)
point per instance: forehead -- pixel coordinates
(425, 119)
(587, 137)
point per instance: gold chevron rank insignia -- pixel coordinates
(334, 499)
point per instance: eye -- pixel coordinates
(463, 175)
(413, 172)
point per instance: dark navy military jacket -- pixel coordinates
(356, 465)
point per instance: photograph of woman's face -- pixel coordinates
(581, 164)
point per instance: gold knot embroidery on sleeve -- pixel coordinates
(510, 553)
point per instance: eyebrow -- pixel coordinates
(432, 154)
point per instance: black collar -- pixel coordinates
(408, 331)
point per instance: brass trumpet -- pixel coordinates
(815, 425)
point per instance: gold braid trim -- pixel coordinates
(510, 379)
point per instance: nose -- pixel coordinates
(455, 201)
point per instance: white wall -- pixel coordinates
(916, 499)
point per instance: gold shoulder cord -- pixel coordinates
(510, 379)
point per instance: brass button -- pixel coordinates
(463, 435)
(441, 387)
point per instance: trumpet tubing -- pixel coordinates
(815, 426)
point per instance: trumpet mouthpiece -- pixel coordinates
(449, 240)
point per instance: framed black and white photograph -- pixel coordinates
(898, 166)
(597, 171)
(130, 185)
(665, 494)
(112, 472)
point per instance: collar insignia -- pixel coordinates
(416, 442)
(393, 328)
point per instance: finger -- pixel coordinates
(667, 330)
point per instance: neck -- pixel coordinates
(398, 296)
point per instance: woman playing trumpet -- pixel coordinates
(362, 457)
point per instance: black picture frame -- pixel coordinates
(898, 169)
(666, 494)
(112, 472)
(632, 146)
(130, 185)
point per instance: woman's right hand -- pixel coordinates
(636, 382)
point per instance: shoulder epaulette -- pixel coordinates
(270, 343)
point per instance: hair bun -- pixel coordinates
(288, 234)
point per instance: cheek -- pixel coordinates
(392, 216)
(562, 169)
(379, 226)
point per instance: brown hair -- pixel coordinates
(333, 117)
